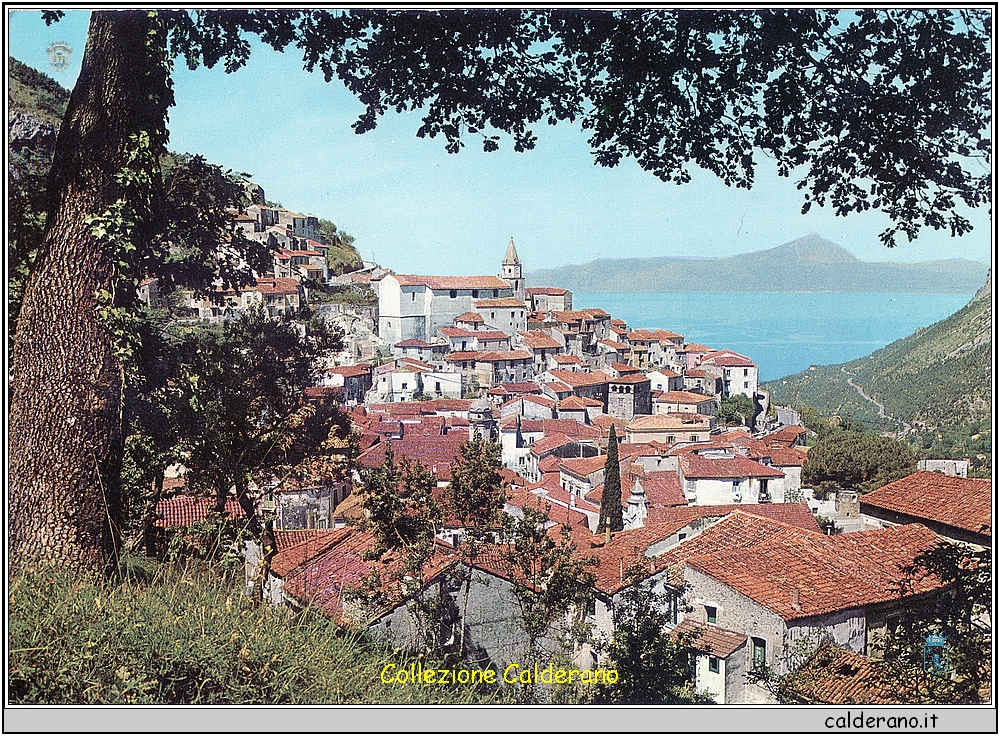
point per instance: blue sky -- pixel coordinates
(415, 208)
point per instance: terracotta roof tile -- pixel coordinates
(441, 283)
(277, 286)
(580, 379)
(436, 453)
(470, 317)
(837, 676)
(538, 340)
(583, 466)
(351, 370)
(712, 639)
(699, 466)
(413, 342)
(631, 378)
(186, 510)
(578, 403)
(546, 290)
(506, 302)
(964, 503)
(831, 573)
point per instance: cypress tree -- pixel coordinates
(611, 499)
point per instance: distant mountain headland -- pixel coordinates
(806, 264)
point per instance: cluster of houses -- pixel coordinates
(715, 517)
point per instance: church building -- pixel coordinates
(418, 306)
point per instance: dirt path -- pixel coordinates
(881, 407)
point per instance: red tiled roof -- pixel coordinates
(792, 514)
(697, 373)
(728, 358)
(496, 356)
(604, 421)
(631, 378)
(617, 346)
(786, 456)
(413, 342)
(462, 355)
(538, 340)
(831, 573)
(545, 290)
(550, 442)
(682, 397)
(436, 453)
(583, 466)
(640, 336)
(596, 312)
(567, 359)
(523, 387)
(712, 639)
(296, 547)
(186, 510)
(441, 283)
(836, 676)
(625, 368)
(469, 317)
(577, 403)
(699, 466)
(456, 332)
(540, 400)
(963, 503)
(504, 302)
(663, 489)
(347, 371)
(277, 286)
(694, 347)
(580, 379)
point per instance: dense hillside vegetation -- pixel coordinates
(36, 105)
(806, 264)
(937, 381)
(187, 635)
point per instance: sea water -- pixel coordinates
(783, 333)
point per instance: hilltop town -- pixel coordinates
(714, 512)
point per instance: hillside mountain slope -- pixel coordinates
(36, 104)
(937, 380)
(809, 263)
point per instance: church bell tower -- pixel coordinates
(510, 271)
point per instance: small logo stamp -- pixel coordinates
(936, 655)
(59, 53)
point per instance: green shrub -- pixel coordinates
(173, 635)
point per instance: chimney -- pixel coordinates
(607, 534)
(796, 600)
(621, 569)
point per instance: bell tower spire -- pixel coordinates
(510, 271)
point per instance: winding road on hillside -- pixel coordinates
(881, 407)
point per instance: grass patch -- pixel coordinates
(188, 636)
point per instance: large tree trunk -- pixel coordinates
(65, 413)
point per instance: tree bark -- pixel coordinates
(65, 412)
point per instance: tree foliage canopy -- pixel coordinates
(611, 497)
(653, 667)
(870, 109)
(858, 461)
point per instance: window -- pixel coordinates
(413, 296)
(453, 294)
(713, 664)
(759, 653)
(712, 614)
(475, 293)
(495, 293)
(404, 385)
(493, 315)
